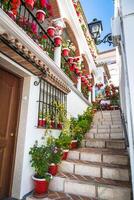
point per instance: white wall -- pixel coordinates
(127, 71)
(28, 133)
(75, 105)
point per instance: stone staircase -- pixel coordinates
(99, 170)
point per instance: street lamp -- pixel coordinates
(95, 28)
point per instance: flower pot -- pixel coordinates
(29, 4)
(70, 60)
(52, 124)
(65, 154)
(40, 185)
(73, 144)
(65, 52)
(40, 15)
(53, 169)
(72, 67)
(57, 41)
(59, 125)
(83, 79)
(51, 31)
(41, 122)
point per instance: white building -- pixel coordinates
(22, 63)
(123, 32)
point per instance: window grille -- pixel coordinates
(48, 113)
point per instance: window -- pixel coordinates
(50, 116)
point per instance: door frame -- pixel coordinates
(21, 80)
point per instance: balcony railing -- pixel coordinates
(26, 19)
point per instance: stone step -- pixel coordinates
(104, 143)
(106, 130)
(106, 126)
(103, 155)
(85, 168)
(99, 188)
(51, 195)
(104, 135)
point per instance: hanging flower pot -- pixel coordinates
(43, 3)
(72, 67)
(29, 4)
(40, 15)
(77, 71)
(70, 60)
(89, 88)
(65, 154)
(40, 185)
(51, 31)
(57, 41)
(82, 78)
(73, 144)
(65, 52)
(53, 169)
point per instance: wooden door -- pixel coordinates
(9, 107)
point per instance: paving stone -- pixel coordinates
(114, 193)
(115, 159)
(94, 143)
(115, 144)
(115, 174)
(80, 189)
(87, 170)
(90, 157)
(66, 167)
(73, 155)
(57, 184)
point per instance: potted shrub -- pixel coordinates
(40, 162)
(51, 31)
(65, 48)
(55, 155)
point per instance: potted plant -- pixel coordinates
(40, 162)
(30, 4)
(41, 120)
(55, 155)
(51, 31)
(40, 15)
(65, 48)
(57, 41)
(64, 139)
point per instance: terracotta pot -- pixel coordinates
(65, 154)
(40, 185)
(73, 144)
(29, 4)
(40, 15)
(57, 41)
(53, 169)
(70, 60)
(65, 52)
(51, 31)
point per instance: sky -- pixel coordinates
(102, 10)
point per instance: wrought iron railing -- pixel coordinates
(28, 22)
(52, 106)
